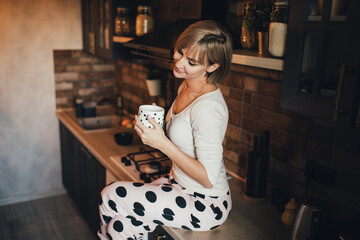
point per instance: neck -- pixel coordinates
(199, 86)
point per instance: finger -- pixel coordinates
(139, 124)
(138, 131)
(152, 121)
(154, 104)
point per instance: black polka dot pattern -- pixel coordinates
(199, 206)
(217, 211)
(112, 205)
(121, 192)
(180, 201)
(199, 195)
(137, 184)
(150, 196)
(145, 201)
(109, 236)
(214, 227)
(106, 219)
(225, 204)
(166, 189)
(134, 221)
(195, 221)
(158, 222)
(118, 226)
(172, 181)
(139, 209)
(185, 227)
(168, 214)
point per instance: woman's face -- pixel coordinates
(187, 64)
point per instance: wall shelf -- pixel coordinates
(253, 59)
(240, 56)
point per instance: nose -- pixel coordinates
(179, 61)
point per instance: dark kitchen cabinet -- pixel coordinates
(321, 66)
(98, 17)
(321, 76)
(83, 177)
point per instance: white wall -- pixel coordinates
(29, 139)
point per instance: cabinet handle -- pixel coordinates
(86, 152)
(338, 93)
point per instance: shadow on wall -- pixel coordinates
(22, 171)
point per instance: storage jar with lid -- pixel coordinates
(248, 34)
(124, 25)
(278, 28)
(144, 20)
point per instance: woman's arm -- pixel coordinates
(156, 138)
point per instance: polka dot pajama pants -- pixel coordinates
(128, 210)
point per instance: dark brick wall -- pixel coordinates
(80, 75)
(253, 98)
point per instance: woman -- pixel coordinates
(195, 195)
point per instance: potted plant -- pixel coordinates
(153, 81)
(255, 23)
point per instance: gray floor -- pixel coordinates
(53, 218)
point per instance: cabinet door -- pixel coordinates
(88, 25)
(68, 174)
(92, 181)
(319, 45)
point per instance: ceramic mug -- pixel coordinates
(153, 111)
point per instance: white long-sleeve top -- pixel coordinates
(199, 131)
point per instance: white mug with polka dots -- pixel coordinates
(153, 111)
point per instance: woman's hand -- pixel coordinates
(154, 137)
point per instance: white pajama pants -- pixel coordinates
(128, 210)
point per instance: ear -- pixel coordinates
(212, 68)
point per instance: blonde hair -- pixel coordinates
(214, 44)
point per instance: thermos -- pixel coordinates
(307, 221)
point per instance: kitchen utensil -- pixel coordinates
(257, 168)
(153, 111)
(89, 109)
(79, 103)
(289, 214)
(307, 221)
(123, 138)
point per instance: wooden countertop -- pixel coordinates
(247, 220)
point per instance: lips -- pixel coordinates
(177, 70)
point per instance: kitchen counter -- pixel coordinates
(247, 220)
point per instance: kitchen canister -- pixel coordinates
(144, 20)
(278, 28)
(124, 25)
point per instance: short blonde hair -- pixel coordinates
(214, 44)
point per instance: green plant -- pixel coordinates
(263, 17)
(258, 16)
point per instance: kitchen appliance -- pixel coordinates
(308, 220)
(146, 165)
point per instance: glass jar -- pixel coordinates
(123, 23)
(248, 34)
(144, 20)
(278, 28)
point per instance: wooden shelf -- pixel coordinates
(240, 56)
(252, 58)
(120, 39)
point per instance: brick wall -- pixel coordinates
(80, 75)
(253, 98)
